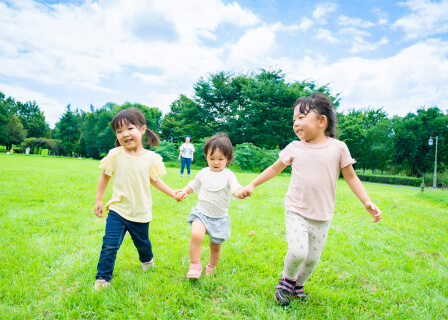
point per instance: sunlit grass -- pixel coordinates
(50, 244)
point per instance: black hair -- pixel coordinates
(322, 105)
(222, 142)
(135, 117)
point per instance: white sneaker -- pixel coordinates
(101, 283)
(147, 265)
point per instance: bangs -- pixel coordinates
(304, 105)
(126, 117)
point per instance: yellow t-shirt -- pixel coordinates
(131, 175)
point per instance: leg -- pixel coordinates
(215, 254)
(112, 240)
(182, 165)
(139, 235)
(197, 237)
(297, 238)
(188, 160)
(317, 239)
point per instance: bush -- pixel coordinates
(168, 150)
(406, 181)
(253, 158)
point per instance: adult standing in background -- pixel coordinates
(186, 155)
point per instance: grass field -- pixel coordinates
(50, 244)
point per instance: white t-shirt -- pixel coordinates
(187, 150)
(214, 190)
(315, 172)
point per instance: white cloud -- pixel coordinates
(360, 45)
(255, 45)
(305, 24)
(354, 22)
(324, 34)
(322, 10)
(417, 76)
(82, 45)
(427, 18)
(52, 108)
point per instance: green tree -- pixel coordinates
(410, 141)
(14, 132)
(32, 118)
(67, 130)
(254, 108)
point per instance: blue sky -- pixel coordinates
(376, 54)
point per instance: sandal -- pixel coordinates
(209, 270)
(194, 271)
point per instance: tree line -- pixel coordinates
(255, 109)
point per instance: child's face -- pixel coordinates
(308, 127)
(130, 137)
(216, 161)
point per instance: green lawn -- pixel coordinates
(50, 244)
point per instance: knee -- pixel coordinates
(197, 237)
(296, 255)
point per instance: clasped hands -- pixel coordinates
(240, 193)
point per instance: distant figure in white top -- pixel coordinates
(186, 156)
(27, 151)
(215, 186)
(316, 161)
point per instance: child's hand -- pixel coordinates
(373, 210)
(179, 195)
(99, 208)
(239, 193)
(247, 191)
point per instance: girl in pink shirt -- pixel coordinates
(316, 161)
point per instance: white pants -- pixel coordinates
(306, 240)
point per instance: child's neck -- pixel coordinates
(135, 152)
(318, 139)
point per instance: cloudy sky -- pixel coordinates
(374, 53)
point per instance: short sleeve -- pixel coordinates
(192, 148)
(233, 183)
(107, 163)
(345, 158)
(286, 155)
(196, 183)
(158, 169)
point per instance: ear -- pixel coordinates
(323, 121)
(143, 129)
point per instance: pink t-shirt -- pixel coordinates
(315, 171)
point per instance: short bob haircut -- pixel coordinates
(221, 142)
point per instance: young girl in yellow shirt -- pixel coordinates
(133, 169)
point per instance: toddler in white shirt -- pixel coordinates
(215, 186)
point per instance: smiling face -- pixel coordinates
(216, 161)
(310, 127)
(130, 136)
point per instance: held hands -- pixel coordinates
(243, 193)
(99, 208)
(179, 195)
(373, 210)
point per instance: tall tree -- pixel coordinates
(67, 130)
(14, 132)
(32, 118)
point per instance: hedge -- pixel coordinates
(406, 181)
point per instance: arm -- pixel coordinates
(103, 182)
(159, 184)
(266, 175)
(358, 189)
(180, 155)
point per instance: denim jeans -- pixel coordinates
(116, 227)
(183, 162)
